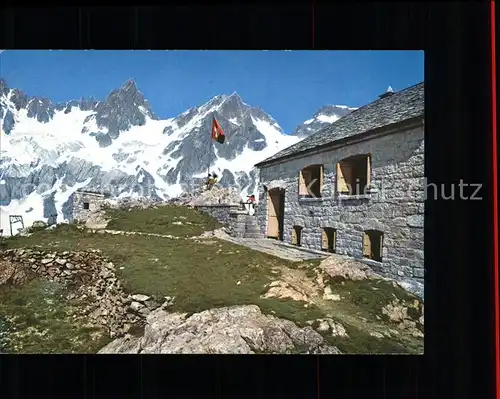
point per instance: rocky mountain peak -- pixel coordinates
(129, 86)
(324, 116)
(233, 101)
(4, 88)
(41, 109)
(180, 156)
(124, 107)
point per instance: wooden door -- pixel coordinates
(273, 209)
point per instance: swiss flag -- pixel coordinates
(217, 132)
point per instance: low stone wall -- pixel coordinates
(97, 289)
(221, 212)
(237, 222)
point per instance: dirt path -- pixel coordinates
(132, 233)
(264, 245)
(273, 248)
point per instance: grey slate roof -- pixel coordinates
(398, 107)
(92, 192)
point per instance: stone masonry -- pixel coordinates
(84, 203)
(395, 205)
(221, 212)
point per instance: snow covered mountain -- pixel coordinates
(323, 117)
(48, 151)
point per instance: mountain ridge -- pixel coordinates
(48, 150)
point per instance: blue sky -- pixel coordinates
(288, 85)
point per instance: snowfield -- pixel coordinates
(151, 154)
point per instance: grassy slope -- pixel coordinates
(36, 318)
(200, 275)
(162, 220)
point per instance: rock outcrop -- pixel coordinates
(339, 266)
(229, 330)
(215, 196)
(136, 202)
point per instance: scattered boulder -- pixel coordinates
(214, 196)
(349, 269)
(395, 311)
(328, 294)
(39, 224)
(136, 202)
(169, 301)
(140, 297)
(207, 235)
(136, 306)
(405, 315)
(328, 325)
(228, 330)
(376, 334)
(282, 289)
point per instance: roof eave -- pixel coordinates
(346, 140)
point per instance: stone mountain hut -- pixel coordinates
(355, 188)
(82, 203)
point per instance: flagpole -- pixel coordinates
(210, 155)
(210, 151)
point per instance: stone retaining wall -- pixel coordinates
(237, 224)
(97, 286)
(221, 212)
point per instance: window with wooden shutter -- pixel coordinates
(373, 244)
(306, 174)
(368, 171)
(367, 248)
(341, 183)
(302, 184)
(311, 181)
(321, 178)
(328, 239)
(354, 175)
(294, 236)
(381, 247)
(324, 240)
